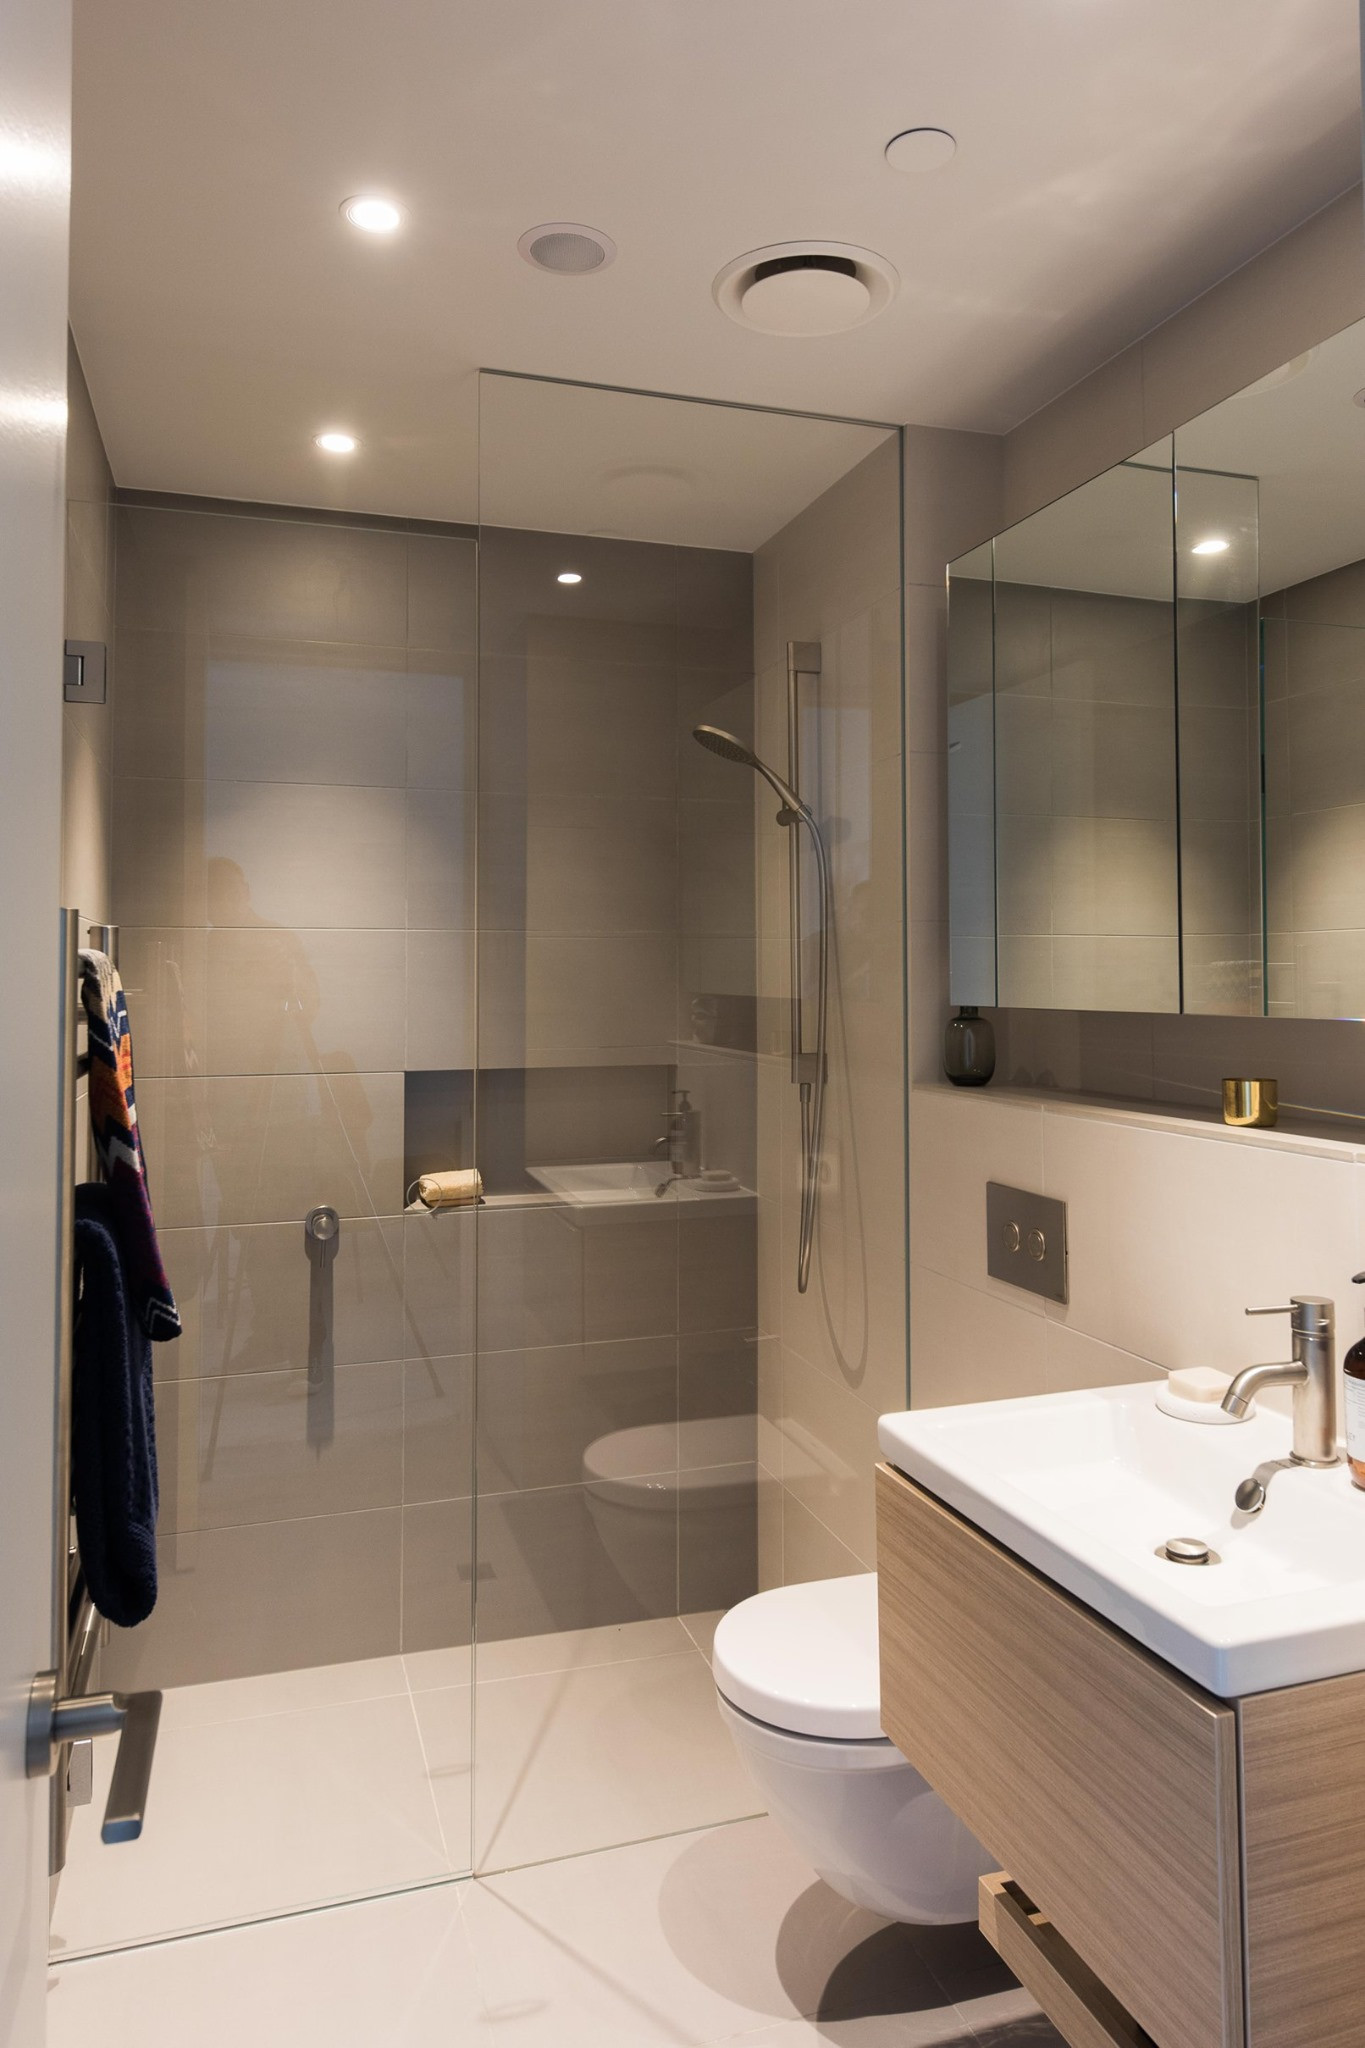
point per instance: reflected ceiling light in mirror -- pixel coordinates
(920, 149)
(372, 214)
(568, 576)
(1214, 545)
(335, 441)
(1285, 374)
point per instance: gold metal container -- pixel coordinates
(1251, 1105)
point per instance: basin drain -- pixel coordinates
(1187, 1550)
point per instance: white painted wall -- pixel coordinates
(35, 92)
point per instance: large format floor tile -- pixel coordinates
(723, 1936)
(257, 1815)
(596, 1754)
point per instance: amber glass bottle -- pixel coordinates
(1353, 1369)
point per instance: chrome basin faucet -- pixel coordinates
(1311, 1372)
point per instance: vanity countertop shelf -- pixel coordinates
(1335, 1136)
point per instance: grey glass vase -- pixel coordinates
(969, 1048)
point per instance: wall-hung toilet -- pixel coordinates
(797, 1680)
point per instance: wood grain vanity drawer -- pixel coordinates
(1104, 1782)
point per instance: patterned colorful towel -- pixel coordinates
(118, 1144)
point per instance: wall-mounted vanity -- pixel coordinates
(1157, 722)
(1166, 1758)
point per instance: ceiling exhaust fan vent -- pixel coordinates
(567, 248)
(796, 288)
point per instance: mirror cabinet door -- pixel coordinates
(1280, 475)
(1222, 943)
(1157, 722)
(1082, 703)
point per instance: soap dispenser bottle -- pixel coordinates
(1353, 1370)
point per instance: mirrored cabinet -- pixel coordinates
(1157, 722)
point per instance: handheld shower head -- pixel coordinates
(717, 741)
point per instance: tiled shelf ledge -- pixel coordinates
(1335, 1137)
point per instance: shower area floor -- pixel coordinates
(284, 1792)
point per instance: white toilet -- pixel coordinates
(796, 1673)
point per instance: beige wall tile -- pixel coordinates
(438, 1429)
(442, 578)
(583, 864)
(541, 1413)
(266, 1150)
(440, 1000)
(443, 718)
(439, 1278)
(270, 1596)
(811, 1551)
(246, 1294)
(303, 855)
(829, 1452)
(157, 857)
(551, 724)
(966, 1345)
(265, 1447)
(280, 578)
(297, 1002)
(1220, 1227)
(438, 1575)
(164, 976)
(543, 993)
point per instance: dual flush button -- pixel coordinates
(1026, 1240)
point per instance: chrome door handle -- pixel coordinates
(133, 1717)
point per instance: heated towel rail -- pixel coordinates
(63, 1716)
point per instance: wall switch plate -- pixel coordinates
(1026, 1240)
(83, 672)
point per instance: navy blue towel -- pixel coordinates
(113, 1425)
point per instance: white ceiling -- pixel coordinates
(1115, 157)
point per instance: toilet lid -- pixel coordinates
(804, 1658)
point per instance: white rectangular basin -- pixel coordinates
(1087, 1487)
(609, 1183)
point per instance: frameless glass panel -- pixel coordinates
(644, 565)
(1085, 731)
(1295, 438)
(292, 736)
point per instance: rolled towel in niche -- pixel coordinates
(456, 1188)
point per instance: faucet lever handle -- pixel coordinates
(1287, 1310)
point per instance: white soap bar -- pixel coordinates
(1198, 1383)
(1195, 1394)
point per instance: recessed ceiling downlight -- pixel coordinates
(920, 149)
(336, 442)
(372, 214)
(568, 576)
(805, 288)
(567, 248)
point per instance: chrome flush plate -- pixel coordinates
(1026, 1240)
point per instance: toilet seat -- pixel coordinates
(803, 1660)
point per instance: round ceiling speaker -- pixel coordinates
(567, 248)
(805, 288)
(921, 149)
